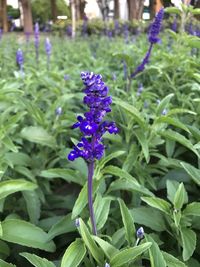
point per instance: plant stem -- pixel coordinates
(90, 202)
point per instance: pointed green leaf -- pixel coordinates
(5, 264)
(172, 261)
(163, 104)
(156, 257)
(158, 203)
(111, 156)
(128, 255)
(192, 209)
(193, 172)
(90, 244)
(66, 174)
(107, 248)
(180, 197)
(188, 238)
(143, 142)
(11, 186)
(26, 234)
(128, 222)
(64, 225)
(38, 135)
(74, 254)
(36, 260)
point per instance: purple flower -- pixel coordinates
(19, 58)
(140, 89)
(153, 39)
(58, 111)
(77, 222)
(140, 233)
(107, 265)
(48, 46)
(91, 125)
(69, 30)
(156, 27)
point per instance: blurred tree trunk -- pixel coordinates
(116, 9)
(135, 9)
(27, 16)
(82, 8)
(104, 8)
(54, 10)
(73, 15)
(3, 13)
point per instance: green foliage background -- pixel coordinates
(148, 177)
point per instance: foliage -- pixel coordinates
(149, 176)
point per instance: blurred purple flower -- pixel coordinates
(140, 89)
(58, 111)
(37, 41)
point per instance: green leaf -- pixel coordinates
(9, 144)
(26, 234)
(64, 225)
(193, 41)
(172, 10)
(188, 238)
(38, 135)
(66, 174)
(131, 110)
(127, 183)
(111, 156)
(163, 104)
(193, 172)
(156, 257)
(158, 203)
(144, 215)
(36, 260)
(11, 186)
(172, 261)
(143, 142)
(128, 222)
(128, 255)
(90, 244)
(107, 248)
(5, 264)
(172, 187)
(101, 210)
(4, 248)
(195, 11)
(180, 197)
(33, 205)
(172, 121)
(81, 201)
(192, 209)
(172, 135)
(74, 254)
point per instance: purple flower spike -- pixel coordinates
(37, 35)
(156, 27)
(48, 46)
(91, 126)
(19, 57)
(153, 39)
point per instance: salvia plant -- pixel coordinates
(93, 127)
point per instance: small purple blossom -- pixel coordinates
(66, 77)
(77, 222)
(140, 233)
(174, 24)
(164, 112)
(91, 125)
(107, 265)
(58, 111)
(140, 89)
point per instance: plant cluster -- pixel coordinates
(145, 197)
